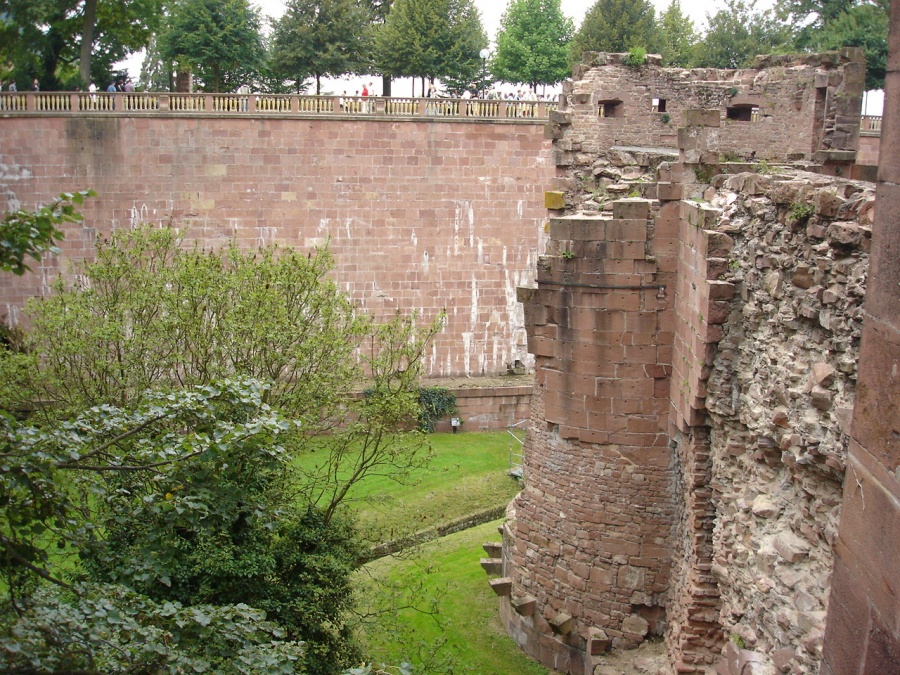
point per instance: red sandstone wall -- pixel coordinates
(863, 632)
(804, 105)
(869, 147)
(589, 550)
(421, 215)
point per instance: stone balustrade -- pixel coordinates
(164, 103)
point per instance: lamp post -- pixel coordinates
(484, 54)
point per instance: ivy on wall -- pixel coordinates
(434, 404)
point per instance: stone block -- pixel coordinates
(635, 625)
(555, 201)
(501, 586)
(562, 623)
(598, 642)
(701, 118)
(631, 209)
(492, 565)
(882, 298)
(669, 191)
(524, 605)
(791, 547)
(876, 416)
(493, 548)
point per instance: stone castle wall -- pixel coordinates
(785, 106)
(761, 280)
(420, 215)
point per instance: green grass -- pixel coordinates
(468, 474)
(465, 636)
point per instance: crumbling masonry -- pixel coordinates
(696, 347)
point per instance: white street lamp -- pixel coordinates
(484, 54)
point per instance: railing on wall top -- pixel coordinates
(44, 103)
(870, 125)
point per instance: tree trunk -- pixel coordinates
(87, 41)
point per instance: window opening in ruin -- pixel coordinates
(659, 105)
(743, 112)
(610, 108)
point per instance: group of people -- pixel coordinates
(35, 86)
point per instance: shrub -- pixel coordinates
(636, 57)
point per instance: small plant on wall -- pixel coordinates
(636, 57)
(567, 254)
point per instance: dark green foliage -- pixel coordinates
(109, 629)
(866, 26)
(185, 494)
(677, 36)
(43, 39)
(321, 38)
(615, 26)
(431, 39)
(435, 403)
(34, 233)
(533, 43)
(737, 34)
(218, 40)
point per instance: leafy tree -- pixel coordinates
(150, 313)
(432, 39)
(218, 39)
(677, 36)
(97, 628)
(737, 34)
(379, 13)
(34, 233)
(819, 25)
(134, 493)
(865, 26)
(533, 43)
(321, 38)
(63, 45)
(615, 26)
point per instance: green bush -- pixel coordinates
(636, 57)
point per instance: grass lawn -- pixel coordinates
(468, 474)
(466, 632)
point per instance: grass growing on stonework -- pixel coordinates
(465, 635)
(467, 474)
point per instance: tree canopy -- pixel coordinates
(321, 38)
(431, 39)
(615, 26)
(677, 36)
(218, 40)
(533, 43)
(65, 43)
(737, 34)
(819, 25)
(159, 481)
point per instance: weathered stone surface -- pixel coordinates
(635, 625)
(765, 507)
(791, 547)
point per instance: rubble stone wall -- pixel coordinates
(421, 215)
